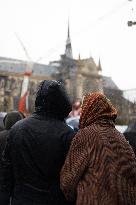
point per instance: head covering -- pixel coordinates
(96, 106)
(52, 100)
(11, 118)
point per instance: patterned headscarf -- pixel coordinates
(96, 106)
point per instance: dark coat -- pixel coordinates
(130, 134)
(34, 155)
(8, 121)
(3, 141)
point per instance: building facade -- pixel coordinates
(80, 76)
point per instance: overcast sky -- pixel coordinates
(98, 28)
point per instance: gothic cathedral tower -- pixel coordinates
(68, 50)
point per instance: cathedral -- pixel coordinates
(79, 76)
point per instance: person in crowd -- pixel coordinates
(36, 150)
(130, 134)
(76, 109)
(9, 120)
(73, 118)
(100, 168)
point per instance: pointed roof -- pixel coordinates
(79, 58)
(68, 30)
(68, 49)
(99, 66)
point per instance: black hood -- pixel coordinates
(52, 100)
(11, 118)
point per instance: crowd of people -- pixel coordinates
(44, 161)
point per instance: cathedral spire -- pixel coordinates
(68, 49)
(68, 30)
(99, 66)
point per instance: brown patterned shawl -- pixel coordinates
(100, 168)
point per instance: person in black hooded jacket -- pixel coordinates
(8, 121)
(36, 150)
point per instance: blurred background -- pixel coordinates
(89, 45)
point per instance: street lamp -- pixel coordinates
(131, 23)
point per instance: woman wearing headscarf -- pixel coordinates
(36, 151)
(9, 120)
(100, 168)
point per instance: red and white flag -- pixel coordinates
(23, 103)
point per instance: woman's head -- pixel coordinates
(52, 100)
(96, 106)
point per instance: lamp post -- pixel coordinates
(131, 23)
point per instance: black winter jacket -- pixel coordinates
(3, 140)
(34, 156)
(36, 150)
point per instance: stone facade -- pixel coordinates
(89, 78)
(79, 76)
